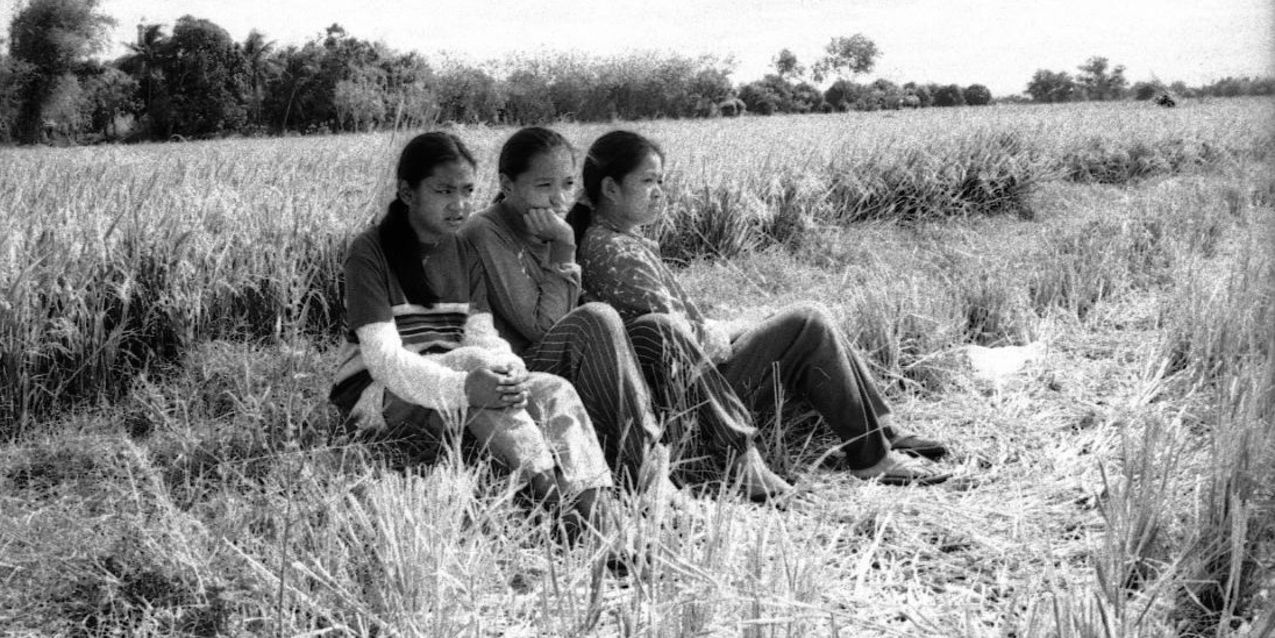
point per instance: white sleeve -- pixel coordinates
(415, 378)
(480, 331)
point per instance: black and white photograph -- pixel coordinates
(661, 319)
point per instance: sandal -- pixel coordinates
(896, 469)
(916, 446)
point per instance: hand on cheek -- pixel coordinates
(546, 224)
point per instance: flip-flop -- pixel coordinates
(916, 446)
(904, 478)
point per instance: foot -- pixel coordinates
(758, 481)
(657, 488)
(896, 469)
(917, 446)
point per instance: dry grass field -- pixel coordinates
(168, 322)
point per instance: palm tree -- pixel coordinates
(299, 67)
(261, 65)
(143, 61)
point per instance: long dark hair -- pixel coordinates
(524, 146)
(613, 155)
(402, 249)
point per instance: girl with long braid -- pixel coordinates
(423, 363)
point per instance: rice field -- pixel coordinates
(169, 316)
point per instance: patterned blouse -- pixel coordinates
(625, 270)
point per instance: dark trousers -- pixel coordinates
(705, 422)
(589, 348)
(800, 344)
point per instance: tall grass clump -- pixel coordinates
(980, 174)
(98, 291)
(1175, 230)
(1213, 318)
(722, 222)
(1119, 161)
(1189, 506)
(899, 181)
(1232, 359)
(1146, 144)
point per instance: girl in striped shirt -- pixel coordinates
(422, 361)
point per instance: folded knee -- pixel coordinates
(663, 323)
(601, 319)
(810, 314)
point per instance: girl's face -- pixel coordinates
(440, 203)
(638, 198)
(549, 182)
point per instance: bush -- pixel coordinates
(949, 95)
(1146, 90)
(758, 98)
(1105, 161)
(977, 95)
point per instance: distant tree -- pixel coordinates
(843, 94)
(887, 94)
(409, 96)
(293, 99)
(301, 85)
(468, 94)
(360, 101)
(1233, 86)
(1143, 91)
(52, 37)
(1100, 84)
(787, 67)
(782, 90)
(206, 79)
(64, 108)
(260, 66)
(885, 86)
(760, 98)
(346, 58)
(527, 98)
(977, 95)
(949, 95)
(13, 76)
(709, 89)
(871, 100)
(846, 55)
(923, 93)
(569, 80)
(807, 98)
(1050, 86)
(1179, 88)
(732, 107)
(111, 94)
(143, 63)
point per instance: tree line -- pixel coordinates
(195, 81)
(1099, 80)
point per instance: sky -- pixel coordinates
(999, 43)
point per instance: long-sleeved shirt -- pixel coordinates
(625, 270)
(405, 346)
(530, 284)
